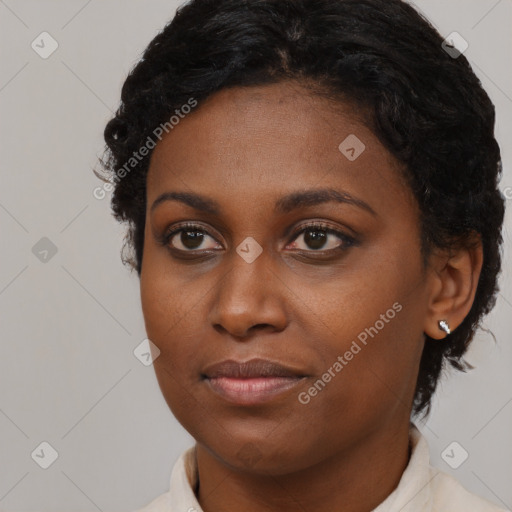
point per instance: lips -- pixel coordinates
(250, 369)
(251, 382)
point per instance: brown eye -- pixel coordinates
(190, 238)
(315, 238)
(319, 237)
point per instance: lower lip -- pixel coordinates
(251, 391)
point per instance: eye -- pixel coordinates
(318, 237)
(189, 238)
(314, 237)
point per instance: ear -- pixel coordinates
(453, 279)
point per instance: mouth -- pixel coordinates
(252, 382)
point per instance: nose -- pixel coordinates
(249, 298)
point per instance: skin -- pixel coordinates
(347, 448)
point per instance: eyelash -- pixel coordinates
(346, 241)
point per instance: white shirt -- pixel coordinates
(422, 488)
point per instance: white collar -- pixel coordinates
(414, 492)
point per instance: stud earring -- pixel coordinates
(443, 325)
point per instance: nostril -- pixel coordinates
(260, 326)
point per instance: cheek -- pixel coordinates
(171, 314)
(372, 318)
(171, 319)
(174, 315)
(368, 378)
(165, 301)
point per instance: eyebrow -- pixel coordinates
(284, 205)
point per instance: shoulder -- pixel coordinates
(449, 495)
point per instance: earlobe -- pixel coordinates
(454, 281)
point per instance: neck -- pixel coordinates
(357, 479)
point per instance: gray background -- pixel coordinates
(68, 375)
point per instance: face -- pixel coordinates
(266, 239)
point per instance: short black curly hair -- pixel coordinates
(426, 106)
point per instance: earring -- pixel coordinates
(443, 325)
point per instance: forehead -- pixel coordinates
(272, 138)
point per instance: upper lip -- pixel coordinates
(250, 369)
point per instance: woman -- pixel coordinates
(311, 192)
